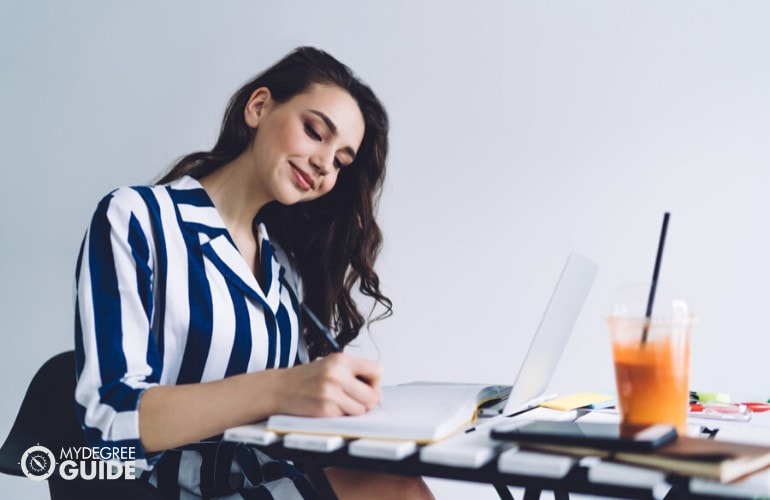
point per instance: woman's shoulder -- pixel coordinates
(137, 203)
(140, 196)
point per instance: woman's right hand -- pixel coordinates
(329, 387)
(175, 415)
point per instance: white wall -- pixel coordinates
(520, 130)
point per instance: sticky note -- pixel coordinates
(573, 401)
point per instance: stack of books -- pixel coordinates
(719, 460)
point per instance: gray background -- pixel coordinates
(520, 131)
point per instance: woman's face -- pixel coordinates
(302, 144)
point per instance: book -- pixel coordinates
(719, 460)
(424, 412)
(756, 485)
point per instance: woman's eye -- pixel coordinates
(338, 163)
(309, 130)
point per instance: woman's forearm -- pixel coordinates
(175, 415)
(171, 416)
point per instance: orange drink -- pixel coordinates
(652, 375)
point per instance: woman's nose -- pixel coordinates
(321, 163)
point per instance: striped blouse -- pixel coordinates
(164, 297)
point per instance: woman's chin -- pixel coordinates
(291, 196)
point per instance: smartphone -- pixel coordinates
(588, 434)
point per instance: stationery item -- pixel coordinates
(720, 411)
(604, 436)
(532, 463)
(327, 334)
(426, 412)
(421, 412)
(727, 408)
(575, 401)
(719, 460)
(324, 444)
(756, 485)
(382, 449)
(709, 397)
(757, 407)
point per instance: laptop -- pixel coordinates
(427, 412)
(549, 341)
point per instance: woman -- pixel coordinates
(188, 292)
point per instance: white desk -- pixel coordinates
(475, 457)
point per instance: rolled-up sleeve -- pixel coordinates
(116, 352)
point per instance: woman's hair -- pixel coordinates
(334, 240)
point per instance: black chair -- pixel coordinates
(48, 417)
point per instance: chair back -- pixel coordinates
(48, 417)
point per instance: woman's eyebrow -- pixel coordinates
(333, 128)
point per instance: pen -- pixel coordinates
(327, 334)
(329, 337)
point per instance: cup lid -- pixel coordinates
(630, 301)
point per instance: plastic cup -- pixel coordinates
(652, 375)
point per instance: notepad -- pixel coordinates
(421, 412)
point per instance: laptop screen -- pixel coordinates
(553, 332)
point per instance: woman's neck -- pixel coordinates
(236, 194)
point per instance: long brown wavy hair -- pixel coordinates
(334, 240)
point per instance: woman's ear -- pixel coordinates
(259, 101)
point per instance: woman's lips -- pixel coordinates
(304, 180)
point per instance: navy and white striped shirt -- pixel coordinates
(164, 297)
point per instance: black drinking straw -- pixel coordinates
(653, 287)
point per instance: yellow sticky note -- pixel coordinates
(573, 401)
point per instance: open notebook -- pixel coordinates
(427, 412)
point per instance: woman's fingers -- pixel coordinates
(346, 385)
(357, 380)
(366, 370)
(362, 393)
